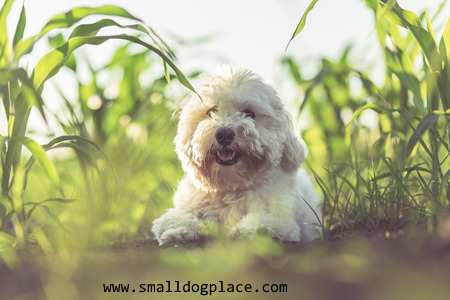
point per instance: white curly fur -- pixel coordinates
(264, 190)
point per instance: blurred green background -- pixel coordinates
(76, 210)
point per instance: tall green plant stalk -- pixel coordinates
(410, 164)
(20, 92)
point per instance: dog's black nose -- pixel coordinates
(224, 136)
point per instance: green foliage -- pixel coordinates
(376, 176)
(20, 92)
(133, 126)
(140, 95)
(394, 170)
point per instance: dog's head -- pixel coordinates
(237, 135)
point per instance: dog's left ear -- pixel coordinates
(293, 151)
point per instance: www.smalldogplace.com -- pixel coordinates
(202, 288)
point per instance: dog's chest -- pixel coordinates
(229, 208)
(221, 207)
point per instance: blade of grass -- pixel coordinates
(39, 154)
(301, 24)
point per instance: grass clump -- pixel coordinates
(394, 170)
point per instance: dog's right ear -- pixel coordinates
(188, 119)
(294, 152)
(184, 130)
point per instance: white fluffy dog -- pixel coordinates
(241, 159)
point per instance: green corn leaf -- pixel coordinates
(411, 21)
(413, 84)
(429, 24)
(7, 252)
(66, 20)
(29, 93)
(16, 129)
(401, 16)
(77, 143)
(426, 123)
(6, 97)
(39, 154)
(444, 85)
(4, 12)
(73, 16)
(56, 40)
(444, 46)
(35, 205)
(294, 69)
(373, 4)
(93, 28)
(439, 10)
(5, 207)
(50, 64)
(41, 238)
(301, 24)
(166, 72)
(356, 115)
(82, 153)
(20, 29)
(428, 46)
(73, 139)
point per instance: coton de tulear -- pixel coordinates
(241, 160)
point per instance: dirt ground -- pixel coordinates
(389, 266)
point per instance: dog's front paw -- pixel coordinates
(175, 227)
(178, 235)
(251, 225)
(245, 228)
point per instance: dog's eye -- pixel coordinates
(211, 111)
(248, 113)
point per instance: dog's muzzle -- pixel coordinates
(224, 136)
(225, 154)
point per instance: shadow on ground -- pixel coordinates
(400, 266)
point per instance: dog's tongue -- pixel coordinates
(226, 154)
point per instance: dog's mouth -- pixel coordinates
(227, 156)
